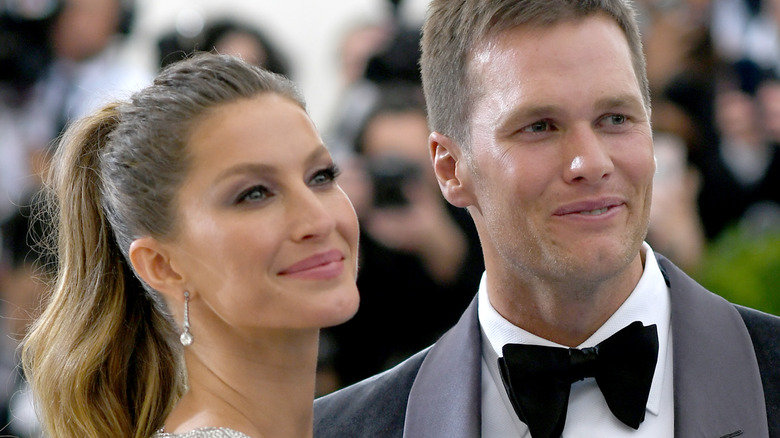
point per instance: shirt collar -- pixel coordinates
(649, 303)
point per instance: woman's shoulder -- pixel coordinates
(208, 432)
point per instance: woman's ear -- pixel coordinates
(451, 170)
(152, 263)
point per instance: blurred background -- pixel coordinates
(714, 69)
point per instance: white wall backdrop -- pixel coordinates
(308, 32)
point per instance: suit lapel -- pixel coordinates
(445, 397)
(717, 385)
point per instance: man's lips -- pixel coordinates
(313, 262)
(589, 207)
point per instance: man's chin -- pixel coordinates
(597, 263)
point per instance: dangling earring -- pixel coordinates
(186, 336)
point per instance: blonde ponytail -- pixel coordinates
(97, 351)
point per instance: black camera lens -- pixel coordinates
(389, 175)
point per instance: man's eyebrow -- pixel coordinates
(622, 100)
(532, 112)
(528, 113)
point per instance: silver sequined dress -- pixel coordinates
(208, 432)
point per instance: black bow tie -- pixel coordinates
(538, 379)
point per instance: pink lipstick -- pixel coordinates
(322, 266)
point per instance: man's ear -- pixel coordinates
(152, 263)
(451, 169)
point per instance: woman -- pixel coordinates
(199, 224)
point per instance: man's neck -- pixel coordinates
(566, 313)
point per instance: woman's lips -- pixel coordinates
(321, 266)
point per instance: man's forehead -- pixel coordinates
(494, 37)
(491, 56)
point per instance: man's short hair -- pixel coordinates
(454, 27)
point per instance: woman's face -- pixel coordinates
(266, 238)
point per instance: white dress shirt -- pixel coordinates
(588, 414)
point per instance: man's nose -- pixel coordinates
(586, 156)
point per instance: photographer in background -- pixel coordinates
(90, 66)
(24, 47)
(60, 60)
(25, 54)
(419, 256)
(228, 36)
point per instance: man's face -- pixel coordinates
(560, 163)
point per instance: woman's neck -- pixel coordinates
(264, 387)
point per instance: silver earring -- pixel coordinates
(186, 336)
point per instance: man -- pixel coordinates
(541, 118)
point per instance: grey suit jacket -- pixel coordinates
(726, 377)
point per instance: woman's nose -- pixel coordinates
(309, 216)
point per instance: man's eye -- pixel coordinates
(540, 126)
(617, 119)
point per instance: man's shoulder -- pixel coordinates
(764, 326)
(764, 330)
(375, 407)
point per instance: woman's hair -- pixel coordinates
(103, 358)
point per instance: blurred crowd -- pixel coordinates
(714, 68)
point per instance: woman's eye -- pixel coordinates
(253, 194)
(325, 176)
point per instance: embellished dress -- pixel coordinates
(206, 432)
